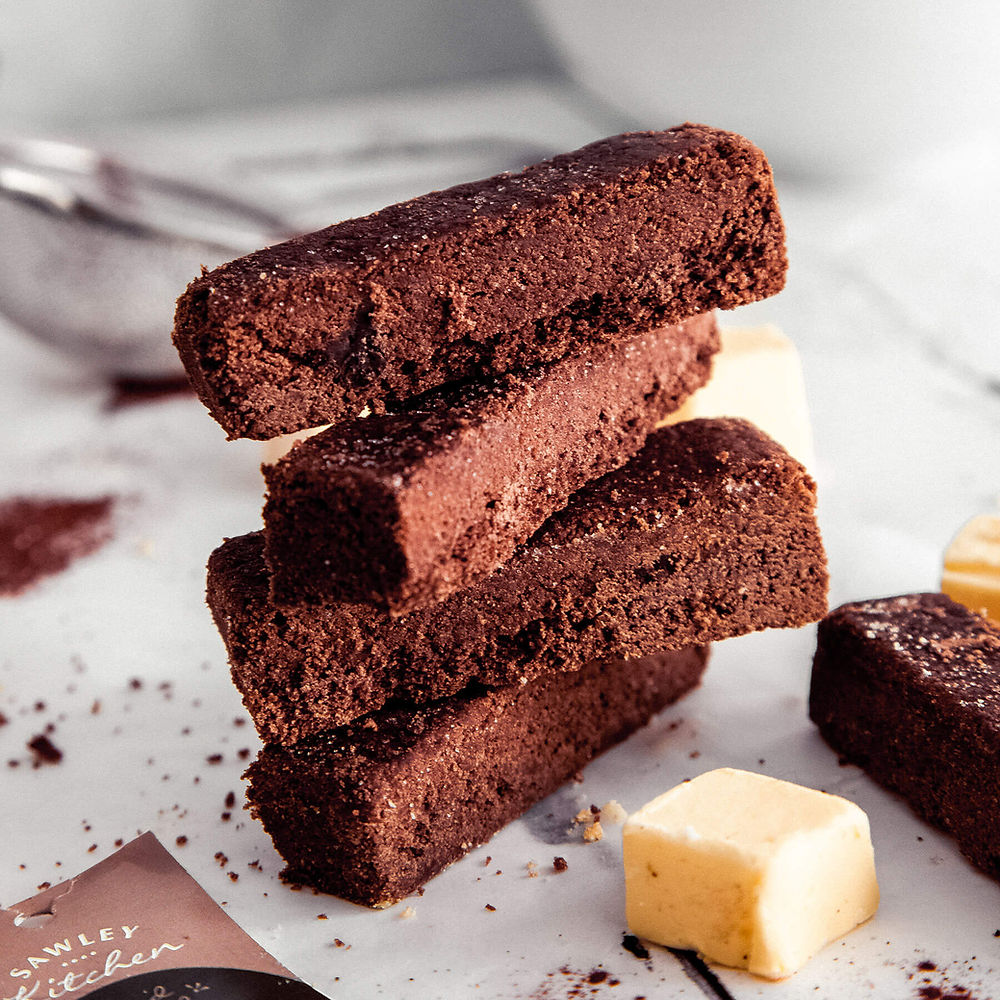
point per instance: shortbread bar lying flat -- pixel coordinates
(707, 533)
(617, 238)
(403, 510)
(909, 689)
(372, 811)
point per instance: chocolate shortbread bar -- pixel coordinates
(402, 510)
(909, 689)
(620, 237)
(708, 532)
(372, 811)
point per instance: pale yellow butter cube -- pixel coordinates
(275, 449)
(756, 375)
(972, 566)
(750, 871)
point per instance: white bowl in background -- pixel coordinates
(849, 89)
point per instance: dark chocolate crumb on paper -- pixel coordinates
(45, 751)
(632, 944)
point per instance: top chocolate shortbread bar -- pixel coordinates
(619, 237)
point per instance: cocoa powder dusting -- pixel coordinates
(575, 984)
(932, 981)
(41, 536)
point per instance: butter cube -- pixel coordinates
(275, 449)
(972, 566)
(756, 375)
(749, 871)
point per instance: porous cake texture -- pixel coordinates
(707, 533)
(372, 811)
(615, 239)
(403, 510)
(909, 689)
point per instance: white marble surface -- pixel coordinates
(894, 301)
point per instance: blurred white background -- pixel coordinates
(66, 63)
(832, 90)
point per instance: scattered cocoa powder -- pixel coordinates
(41, 536)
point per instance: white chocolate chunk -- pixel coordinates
(756, 375)
(750, 871)
(972, 566)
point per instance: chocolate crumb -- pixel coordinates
(3, 719)
(244, 753)
(45, 750)
(214, 758)
(44, 885)
(135, 683)
(92, 848)
(226, 817)
(181, 840)
(490, 907)
(632, 944)
(560, 864)
(230, 799)
(322, 916)
(39, 706)
(233, 877)
(222, 859)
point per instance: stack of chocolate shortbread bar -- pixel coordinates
(492, 566)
